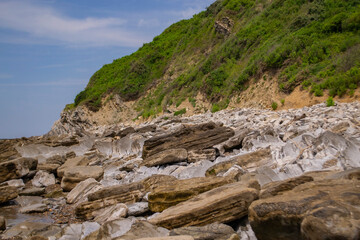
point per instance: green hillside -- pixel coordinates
(313, 43)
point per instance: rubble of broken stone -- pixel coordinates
(234, 174)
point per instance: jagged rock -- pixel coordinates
(79, 231)
(214, 231)
(7, 193)
(2, 223)
(82, 190)
(71, 163)
(276, 188)
(166, 157)
(143, 229)
(222, 204)
(110, 213)
(189, 137)
(32, 191)
(224, 26)
(254, 159)
(171, 193)
(138, 209)
(326, 209)
(35, 208)
(234, 142)
(16, 168)
(200, 155)
(127, 193)
(43, 179)
(74, 175)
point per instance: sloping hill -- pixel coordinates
(219, 52)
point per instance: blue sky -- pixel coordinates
(50, 48)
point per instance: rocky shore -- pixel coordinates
(235, 174)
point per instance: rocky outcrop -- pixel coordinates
(224, 25)
(326, 208)
(250, 160)
(171, 193)
(194, 137)
(223, 204)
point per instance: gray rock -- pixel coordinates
(144, 229)
(138, 209)
(43, 179)
(82, 190)
(111, 213)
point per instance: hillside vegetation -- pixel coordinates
(313, 43)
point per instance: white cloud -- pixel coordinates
(46, 24)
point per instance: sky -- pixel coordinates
(49, 49)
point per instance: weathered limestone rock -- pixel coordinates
(143, 229)
(174, 192)
(32, 191)
(169, 238)
(29, 229)
(214, 231)
(190, 137)
(222, 204)
(72, 162)
(74, 175)
(116, 132)
(200, 155)
(276, 188)
(138, 209)
(326, 209)
(7, 193)
(111, 213)
(16, 168)
(127, 193)
(50, 168)
(82, 190)
(234, 142)
(43, 179)
(254, 159)
(166, 157)
(78, 231)
(35, 208)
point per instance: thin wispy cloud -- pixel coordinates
(45, 23)
(65, 82)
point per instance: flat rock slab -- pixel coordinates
(194, 137)
(143, 229)
(82, 190)
(214, 231)
(36, 208)
(166, 157)
(254, 159)
(32, 191)
(173, 192)
(16, 168)
(127, 193)
(327, 209)
(222, 204)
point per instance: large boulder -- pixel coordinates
(72, 162)
(189, 137)
(171, 193)
(16, 168)
(326, 209)
(82, 190)
(7, 193)
(74, 175)
(223, 204)
(43, 179)
(166, 157)
(249, 160)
